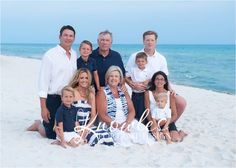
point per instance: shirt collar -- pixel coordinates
(84, 60)
(154, 55)
(144, 70)
(101, 54)
(63, 50)
(67, 108)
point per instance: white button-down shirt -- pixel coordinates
(56, 71)
(139, 75)
(156, 62)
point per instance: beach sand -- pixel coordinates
(209, 120)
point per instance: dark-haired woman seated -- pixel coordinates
(158, 84)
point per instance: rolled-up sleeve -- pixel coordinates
(44, 76)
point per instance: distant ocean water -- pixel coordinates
(210, 67)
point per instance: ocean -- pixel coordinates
(211, 67)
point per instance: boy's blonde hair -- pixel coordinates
(69, 89)
(161, 95)
(86, 42)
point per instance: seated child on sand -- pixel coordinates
(65, 120)
(162, 116)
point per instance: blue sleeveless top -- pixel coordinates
(111, 102)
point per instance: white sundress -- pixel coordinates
(138, 132)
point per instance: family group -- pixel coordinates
(86, 100)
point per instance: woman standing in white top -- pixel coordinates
(116, 110)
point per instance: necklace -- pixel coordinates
(115, 93)
(82, 93)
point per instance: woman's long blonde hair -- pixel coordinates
(75, 81)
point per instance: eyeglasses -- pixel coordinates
(160, 79)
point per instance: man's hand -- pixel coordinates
(172, 92)
(139, 86)
(135, 85)
(44, 110)
(45, 115)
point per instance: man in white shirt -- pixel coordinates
(156, 62)
(57, 68)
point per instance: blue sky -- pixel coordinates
(177, 22)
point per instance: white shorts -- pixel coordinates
(68, 136)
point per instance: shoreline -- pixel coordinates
(209, 120)
(173, 83)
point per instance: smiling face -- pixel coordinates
(141, 62)
(85, 51)
(114, 78)
(104, 42)
(67, 38)
(159, 81)
(161, 102)
(83, 80)
(67, 98)
(150, 42)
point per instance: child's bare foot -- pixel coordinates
(168, 142)
(58, 143)
(157, 136)
(34, 126)
(73, 144)
(162, 136)
(167, 137)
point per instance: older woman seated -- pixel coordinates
(116, 109)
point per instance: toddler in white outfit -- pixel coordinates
(162, 115)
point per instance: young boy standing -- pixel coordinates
(84, 61)
(139, 75)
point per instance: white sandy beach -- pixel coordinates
(209, 120)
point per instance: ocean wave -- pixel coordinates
(189, 76)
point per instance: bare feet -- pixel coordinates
(162, 136)
(178, 136)
(175, 136)
(34, 126)
(167, 136)
(168, 141)
(58, 143)
(157, 136)
(182, 134)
